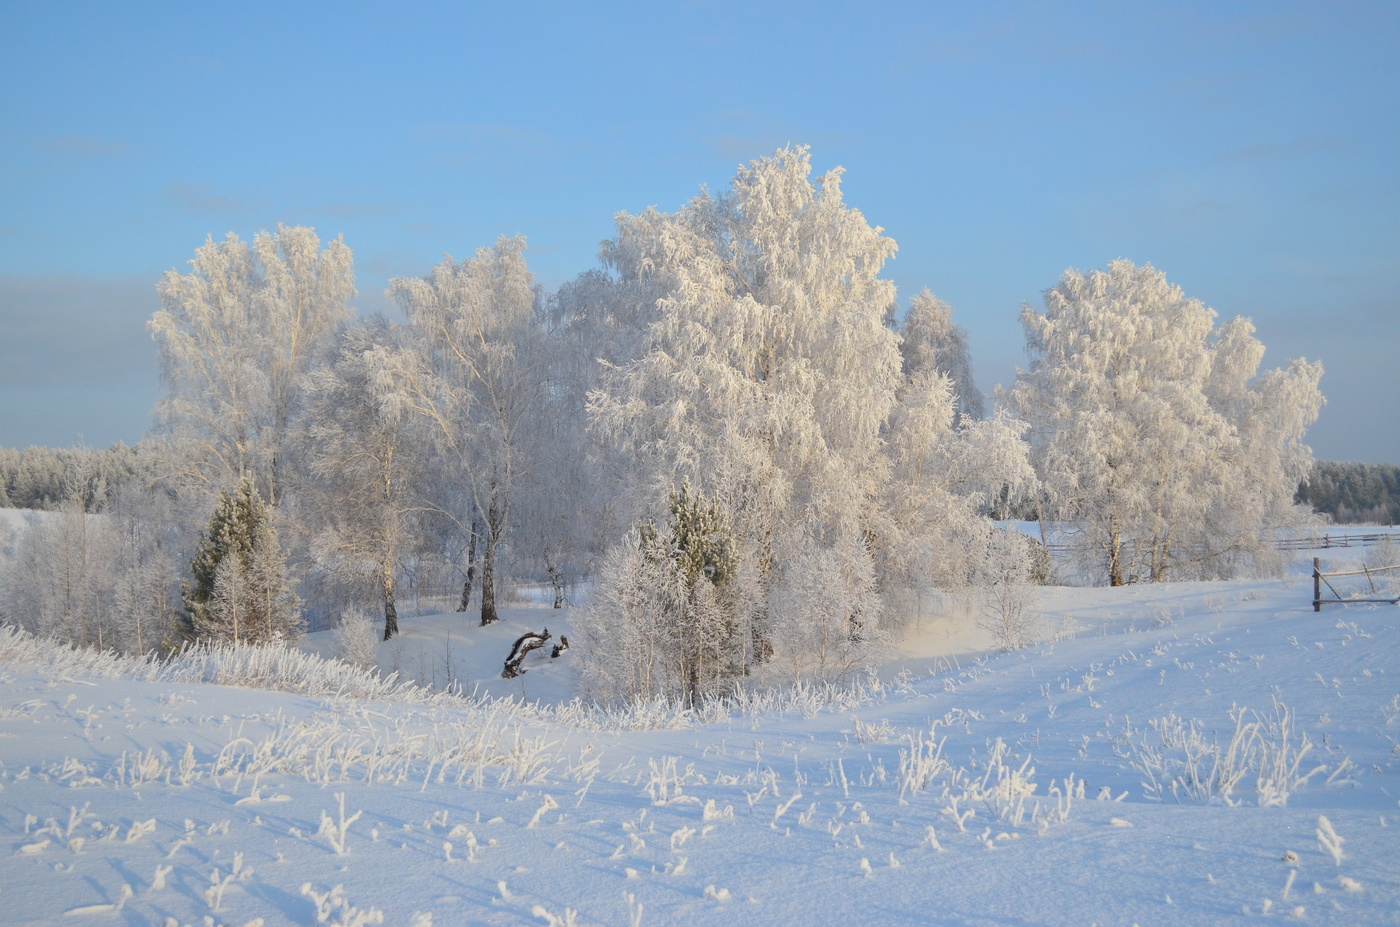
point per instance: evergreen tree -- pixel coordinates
(238, 589)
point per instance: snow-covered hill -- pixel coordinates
(1090, 780)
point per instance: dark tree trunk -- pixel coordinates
(471, 568)
(391, 614)
(488, 568)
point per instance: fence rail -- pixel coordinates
(1338, 540)
(1320, 579)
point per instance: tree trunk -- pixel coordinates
(488, 568)
(391, 614)
(471, 568)
(1115, 553)
(556, 579)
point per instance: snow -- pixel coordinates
(17, 519)
(823, 806)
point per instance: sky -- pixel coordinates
(1247, 150)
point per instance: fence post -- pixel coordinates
(1317, 584)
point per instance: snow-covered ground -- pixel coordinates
(1088, 780)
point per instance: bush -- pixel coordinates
(1003, 574)
(356, 639)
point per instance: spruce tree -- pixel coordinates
(238, 589)
(702, 627)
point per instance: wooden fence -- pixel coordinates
(1321, 579)
(1339, 540)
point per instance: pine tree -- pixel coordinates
(700, 546)
(238, 589)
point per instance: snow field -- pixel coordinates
(1091, 780)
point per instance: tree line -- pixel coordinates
(1353, 493)
(725, 428)
(40, 478)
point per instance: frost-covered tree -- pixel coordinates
(1152, 430)
(931, 340)
(580, 494)
(1351, 492)
(59, 581)
(476, 333)
(43, 477)
(238, 590)
(1002, 575)
(366, 448)
(145, 568)
(766, 373)
(827, 614)
(97, 579)
(947, 471)
(664, 622)
(234, 336)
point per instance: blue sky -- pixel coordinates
(1248, 150)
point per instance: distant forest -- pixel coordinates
(44, 478)
(1354, 493)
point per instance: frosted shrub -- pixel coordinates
(622, 628)
(356, 640)
(1003, 571)
(827, 618)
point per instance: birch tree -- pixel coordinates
(931, 340)
(234, 336)
(766, 372)
(365, 447)
(1150, 428)
(476, 333)
(947, 471)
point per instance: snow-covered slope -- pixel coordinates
(1085, 781)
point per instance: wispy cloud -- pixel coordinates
(197, 197)
(1277, 151)
(468, 142)
(355, 210)
(83, 146)
(745, 135)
